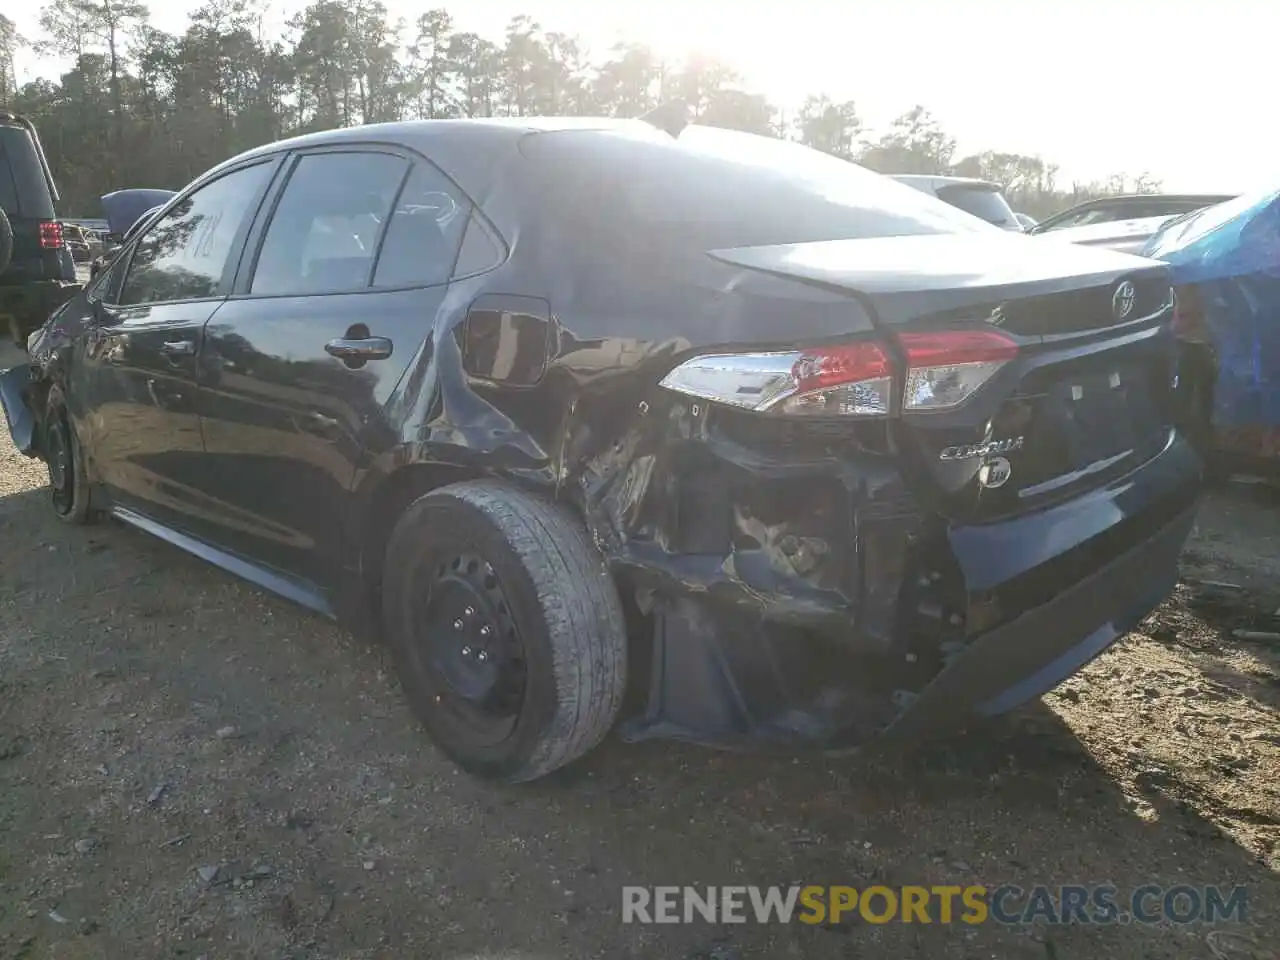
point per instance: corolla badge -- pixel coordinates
(1123, 300)
(969, 451)
(995, 472)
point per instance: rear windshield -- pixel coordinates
(982, 201)
(719, 188)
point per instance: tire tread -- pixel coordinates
(581, 608)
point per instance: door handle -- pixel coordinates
(366, 348)
(178, 348)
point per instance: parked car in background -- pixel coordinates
(1128, 207)
(127, 211)
(40, 273)
(982, 198)
(809, 456)
(1225, 263)
(78, 242)
(94, 224)
(1124, 236)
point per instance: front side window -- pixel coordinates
(183, 255)
(323, 236)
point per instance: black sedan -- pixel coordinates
(568, 410)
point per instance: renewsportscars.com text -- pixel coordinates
(974, 904)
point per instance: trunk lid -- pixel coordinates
(1088, 395)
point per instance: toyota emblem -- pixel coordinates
(1122, 302)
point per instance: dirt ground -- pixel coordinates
(192, 768)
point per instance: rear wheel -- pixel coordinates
(69, 492)
(506, 628)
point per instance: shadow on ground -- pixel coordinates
(191, 768)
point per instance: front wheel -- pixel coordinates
(506, 628)
(69, 491)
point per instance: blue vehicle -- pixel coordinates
(1225, 262)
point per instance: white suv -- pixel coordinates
(982, 198)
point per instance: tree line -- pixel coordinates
(143, 107)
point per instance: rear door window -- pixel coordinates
(424, 232)
(324, 233)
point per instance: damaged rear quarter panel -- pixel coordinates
(798, 536)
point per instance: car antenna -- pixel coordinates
(670, 117)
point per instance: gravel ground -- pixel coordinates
(192, 768)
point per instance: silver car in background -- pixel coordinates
(1125, 236)
(982, 198)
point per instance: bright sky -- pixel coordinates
(1098, 86)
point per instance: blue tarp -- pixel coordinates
(124, 207)
(1231, 253)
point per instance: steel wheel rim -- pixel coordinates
(60, 467)
(468, 646)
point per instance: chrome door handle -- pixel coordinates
(178, 348)
(368, 348)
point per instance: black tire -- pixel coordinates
(482, 554)
(69, 487)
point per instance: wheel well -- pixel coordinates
(389, 500)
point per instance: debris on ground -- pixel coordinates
(1159, 763)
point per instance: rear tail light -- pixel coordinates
(51, 235)
(851, 379)
(945, 368)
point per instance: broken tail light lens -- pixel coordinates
(51, 235)
(844, 380)
(945, 368)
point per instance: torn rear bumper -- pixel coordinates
(1021, 660)
(21, 421)
(1044, 593)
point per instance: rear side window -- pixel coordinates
(24, 190)
(8, 192)
(983, 202)
(424, 232)
(183, 255)
(718, 188)
(324, 233)
(480, 251)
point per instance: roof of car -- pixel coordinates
(938, 180)
(1111, 230)
(1123, 198)
(466, 149)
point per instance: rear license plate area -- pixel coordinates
(1088, 422)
